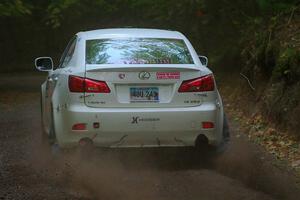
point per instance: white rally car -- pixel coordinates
(131, 88)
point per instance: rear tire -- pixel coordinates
(226, 130)
(48, 141)
(204, 149)
(226, 137)
(44, 136)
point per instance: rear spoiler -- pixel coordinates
(154, 67)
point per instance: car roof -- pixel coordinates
(130, 32)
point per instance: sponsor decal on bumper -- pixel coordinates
(136, 120)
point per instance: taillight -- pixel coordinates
(76, 84)
(202, 84)
(79, 84)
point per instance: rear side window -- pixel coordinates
(137, 51)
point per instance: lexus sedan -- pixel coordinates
(131, 88)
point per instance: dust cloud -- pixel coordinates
(242, 171)
(141, 174)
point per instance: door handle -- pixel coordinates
(50, 79)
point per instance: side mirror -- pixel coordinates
(44, 64)
(203, 60)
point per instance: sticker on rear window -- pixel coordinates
(167, 75)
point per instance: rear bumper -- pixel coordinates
(138, 127)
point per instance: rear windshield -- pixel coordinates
(137, 51)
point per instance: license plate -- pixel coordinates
(144, 94)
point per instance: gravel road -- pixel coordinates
(27, 171)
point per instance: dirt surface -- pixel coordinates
(27, 171)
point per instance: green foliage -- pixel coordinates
(275, 5)
(56, 9)
(266, 56)
(156, 11)
(214, 26)
(259, 54)
(280, 102)
(14, 8)
(288, 66)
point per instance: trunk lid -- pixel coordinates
(142, 86)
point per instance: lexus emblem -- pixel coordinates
(121, 76)
(144, 75)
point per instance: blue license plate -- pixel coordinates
(144, 94)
